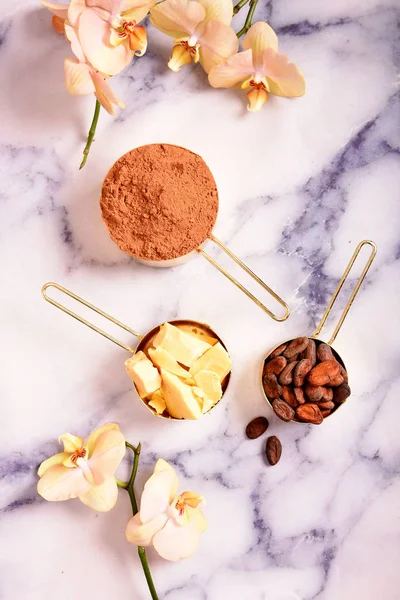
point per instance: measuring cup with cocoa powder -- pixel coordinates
(304, 379)
(159, 203)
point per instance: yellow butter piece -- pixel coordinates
(183, 347)
(157, 402)
(216, 359)
(199, 334)
(143, 373)
(203, 400)
(210, 383)
(179, 397)
(163, 360)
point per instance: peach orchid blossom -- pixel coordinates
(171, 523)
(201, 30)
(84, 470)
(261, 68)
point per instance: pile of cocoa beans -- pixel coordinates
(304, 381)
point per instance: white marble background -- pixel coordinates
(300, 184)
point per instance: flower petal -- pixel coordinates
(59, 10)
(77, 79)
(197, 516)
(162, 465)
(101, 497)
(107, 455)
(56, 459)
(232, 71)
(72, 37)
(60, 483)
(177, 18)
(218, 42)
(260, 37)
(156, 495)
(284, 78)
(96, 433)
(105, 95)
(71, 442)
(75, 9)
(117, 38)
(113, 7)
(142, 534)
(257, 98)
(136, 10)
(174, 542)
(58, 24)
(218, 10)
(94, 36)
(180, 57)
(138, 40)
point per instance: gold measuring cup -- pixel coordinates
(144, 340)
(321, 324)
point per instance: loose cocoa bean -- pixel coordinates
(326, 394)
(313, 393)
(286, 377)
(273, 450)
(276, 365)
(299, 393)
(323, 373)
(338, 380)
(300, 372)
(271, 386)
(289, 396)
(279, 350)
(325, 413)
(283, 410)
(326, 405)
(324, 352)
(309, 413)
(341, 393)
(256, 427)
(310, 352)
(296, 346)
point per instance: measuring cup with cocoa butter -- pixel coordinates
(180, 369)
(159, 203)
(304, 379)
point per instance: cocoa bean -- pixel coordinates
(286, 377)
(323, 373)
(256, 427)
(296, 346)
(283, 410)
(271, 386)
(326, 394)
(324, 352)
(343, 373)
(276, 365)
(300, 372)
(313, 393)
(279, 350)
(338, 380)
(326, 405)
(273, 450)
(299, 393)
(309, 413)
(341, 393)
(325, 413)
(310, 352)
(289, 396)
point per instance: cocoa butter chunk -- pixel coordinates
(276, 365)
(283, 410)
(273, 450)
(324, 373)
(301, 371)
(324, 352)
(341, 393)
(297, 345)
(271, 386)
(279, 350)
(309, 413)
(286, 377)
(256, 427)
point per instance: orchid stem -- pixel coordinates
(91, 133)
(131, 492)
(239, 5)
(249, 18)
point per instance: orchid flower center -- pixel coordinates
(126, 28)
(190, 48)
(78, 454)
(257, 85)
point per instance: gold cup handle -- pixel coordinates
(252, 275)
(339, 287)
(110, 337)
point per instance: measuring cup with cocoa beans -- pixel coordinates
(304, 379)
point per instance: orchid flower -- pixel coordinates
(84, 470)
(259, 67)
(171, 523)
(201, 30)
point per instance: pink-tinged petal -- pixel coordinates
(71, 35)
(75, 9)
(57, 459)
(113, 7)
(101, 497)
(60, 483)
(180, 57)
(232, 71)
(284, 78)
(218, 43)
(156, 495)
(105, 95)
(94, 36)
(162, 465)
(257, 99)
(260, 37)
(174, 542)
(177, 18)
(58, 24)
(107, 455)
(218, 10)
(59, 10)
(71, 442)
(138, 41)
(197, 517)
(142, 534)
(96, 433)
(77, 78)
(117, 38)
(137, 10)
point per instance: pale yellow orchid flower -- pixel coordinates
(259, 67)
(201, 30)
(84, 470)
(171, 523)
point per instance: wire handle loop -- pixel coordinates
(69, 312)
(339, 287)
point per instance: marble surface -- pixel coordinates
(300, 184)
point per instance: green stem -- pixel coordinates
(239, 5)
(249, 18)
(91, 133)
(131, 492)
(121, 484)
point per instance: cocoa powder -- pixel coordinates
(159, 202)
